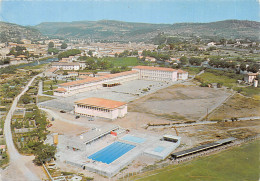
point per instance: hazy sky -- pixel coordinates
(149, 11)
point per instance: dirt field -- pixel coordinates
(179, 102)
(237, 106)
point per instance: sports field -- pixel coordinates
(240, 163)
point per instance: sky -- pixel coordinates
(33, 12)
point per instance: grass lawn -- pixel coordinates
(44, 98)
(124, 61)
(240, 163)
(192, 70)
(212, 78)
(47, 84)
(249, 91)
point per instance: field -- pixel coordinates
(237, 106)
(179, 102)
(192, 70)
(212, 78)
(44, 98)
(239, 163)
(124, 61)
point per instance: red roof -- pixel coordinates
(96, 79)
(53, 69)
(181, 71)
(100, 102)
(154, 68)
(60, 90)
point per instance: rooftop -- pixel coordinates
(65, 64)
(95, 79)
(154, 68)
(60, 90)
(100, 102)
(53, 69)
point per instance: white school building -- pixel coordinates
(160, 73)
(100, 107)
(92, 83)
(109, 80)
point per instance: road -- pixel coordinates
(15, 157)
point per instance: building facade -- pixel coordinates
(160, 73)
(92, 83)
(66, 65)
(99, 107)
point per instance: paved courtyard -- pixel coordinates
(126, 92)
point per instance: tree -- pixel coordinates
(243, 66)
(90, 53)
(184, 60)
(253, 68)
(64, 46)
(51, 45)
(43, 153)
(53, 50)
(115, 70)
(26, 99)
(195, 61)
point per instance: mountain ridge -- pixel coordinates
(134, 31)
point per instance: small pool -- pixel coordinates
(133, 139)
(112, 152)
(159, 149)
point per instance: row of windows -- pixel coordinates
(94, 108)
(159, 75)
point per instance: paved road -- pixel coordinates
(15, 157)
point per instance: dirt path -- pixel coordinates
(19, 167)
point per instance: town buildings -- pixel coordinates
(66, 65)
(99, 107)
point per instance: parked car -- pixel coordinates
(77, 117)
(62, 111)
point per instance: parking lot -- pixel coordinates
(126, 92)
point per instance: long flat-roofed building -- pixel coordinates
(160, 73)
(100, 107)
(92, 83)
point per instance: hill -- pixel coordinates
(128, 31)
(14, 32)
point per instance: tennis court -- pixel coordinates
(112, 152)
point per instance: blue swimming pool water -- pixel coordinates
(159, 149)
(133, 139)
(111, 152)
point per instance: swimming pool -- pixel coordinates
(133, 139)
(111, 152)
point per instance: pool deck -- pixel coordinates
(80, 157)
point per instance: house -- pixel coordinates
(150, 59)
(66, 65)
(51, 72)
(250, 77)
(99, 107)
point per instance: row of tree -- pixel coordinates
(19, 50)
(96, 63)
(156, 55)
(68, 53)
(127, 53)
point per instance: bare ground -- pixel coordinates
(179, 102)
(237, 106)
